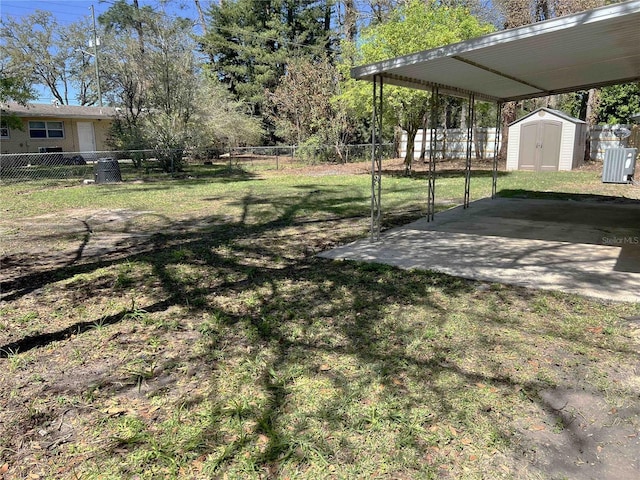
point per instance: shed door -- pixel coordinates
(550, 138)
(528, 146)
(86, 137)
(540, 146)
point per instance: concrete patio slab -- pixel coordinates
(587, 247)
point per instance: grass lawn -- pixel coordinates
(185, 329)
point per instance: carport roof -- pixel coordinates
(576, 52)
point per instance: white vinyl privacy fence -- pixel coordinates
(452, 142)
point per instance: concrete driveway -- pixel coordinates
(587, 247)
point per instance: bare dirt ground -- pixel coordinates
(51, 374)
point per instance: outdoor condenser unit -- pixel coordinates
(619, 165)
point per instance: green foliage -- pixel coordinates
(214, 121)
(168, 102)
(14, 89)
(618, 103)
(38, 50)
(250, 42)
(412, 27)
(303, 107)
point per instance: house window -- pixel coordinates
(4, 132)
(46, 130)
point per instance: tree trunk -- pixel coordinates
(201, 20)
(591, 117)
(408, 158)
(507, 116)
(350, 18)
(423, 146)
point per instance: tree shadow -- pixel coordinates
(269, 302)
(445, 173)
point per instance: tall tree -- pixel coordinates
(152, 71)
(412, 27)
(618, 103)
(13, 88)
(303, 109)
(48, 54)
(249, 42)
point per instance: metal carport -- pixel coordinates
(590, 49)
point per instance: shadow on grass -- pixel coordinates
(579, 197)
(308, 362)
(445, 173)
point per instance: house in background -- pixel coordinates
(55, 127)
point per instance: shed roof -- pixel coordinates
(557, 113)
(590, 49)
(60, 111)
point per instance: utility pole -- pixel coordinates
(95, 55)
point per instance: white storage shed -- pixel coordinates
(546, 140)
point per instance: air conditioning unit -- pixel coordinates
(619, 165)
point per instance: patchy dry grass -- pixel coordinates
(185, 329)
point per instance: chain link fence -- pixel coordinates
(141, 164)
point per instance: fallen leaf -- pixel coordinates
(613, 410)
(4, 468)
(595, 329)
(466, 441)
(480, 385)
(453, 431)
(324, 367)
(263, 438)
(505, 468)
(433, 428)
(599, 448)
(114, 411)
(473, 458)
(537, 428)
(396, 381)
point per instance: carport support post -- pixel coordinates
(433, 143)
(496, 150)
(471, 118)
(376, 158)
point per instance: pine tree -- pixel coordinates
(249, 42)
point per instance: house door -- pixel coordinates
(86, 137)
(540, 146)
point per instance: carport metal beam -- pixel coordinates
(376, 157)
(471, 120)
(496, 150)
(589, 49)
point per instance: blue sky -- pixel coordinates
(69, 11)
